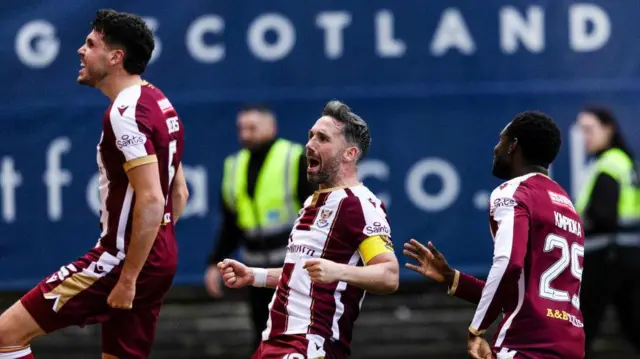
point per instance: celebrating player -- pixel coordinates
(538, 255)
(338, 249)
(122, 281)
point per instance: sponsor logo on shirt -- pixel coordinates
(130, 140)
(502, 202)
(376, 228)
(561, 200)
(562, 315)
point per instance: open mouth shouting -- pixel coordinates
(313, 164)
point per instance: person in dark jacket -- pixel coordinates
(264, 186)
(609, 204)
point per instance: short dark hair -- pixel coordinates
(538, 136)
(355, 130)
(129, 32)
(261, 108)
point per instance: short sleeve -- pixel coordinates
(364, 218)
(133, 134)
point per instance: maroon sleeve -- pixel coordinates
(362, 218)
(511, 216)
(466, 287)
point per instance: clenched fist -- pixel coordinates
(323, 271)
(235, 274)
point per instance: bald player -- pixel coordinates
(269, 170)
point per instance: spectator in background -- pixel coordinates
(610, 207)
(263, 187)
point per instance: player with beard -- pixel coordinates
(122, 281)
(339, 248)
(538, 254)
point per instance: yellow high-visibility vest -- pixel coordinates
(274, 206)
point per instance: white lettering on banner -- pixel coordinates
(195, 39)
(515, 28)
(452, 32)
(379, 170)
(197, 205)
(333, 23)
(589, 29)
(153, 24)
(448, 177)
(55, 177)
(386, 44)
(197, 179)
(580, 16)
(286, 37)
(36, 44)
(10, 179)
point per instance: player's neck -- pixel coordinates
(341, 182)
(111, 87)
(525, 170)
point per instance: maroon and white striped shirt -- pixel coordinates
(331, 225)
(140, 127)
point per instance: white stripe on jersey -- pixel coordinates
(507, 323)
(103, 188)
(122, 221)
(310, 238)
(299, 301)
(505, 216)
(337, 295)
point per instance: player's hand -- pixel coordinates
(322, 271)
(212, 282)
(235, 274)
(121, 296)
(478, 348)
(431, 263)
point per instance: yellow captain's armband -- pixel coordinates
(373, 246)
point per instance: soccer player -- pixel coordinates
(121, 282)
(538, 254)
(339, 248)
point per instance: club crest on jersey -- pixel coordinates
(324, 215)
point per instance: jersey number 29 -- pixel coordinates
(568, 257)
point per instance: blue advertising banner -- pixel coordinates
(436, 82)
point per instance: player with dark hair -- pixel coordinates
(122, 281)
(538, 254)
(339, 248)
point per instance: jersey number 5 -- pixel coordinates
(568, 257)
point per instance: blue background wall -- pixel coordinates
(430, 110)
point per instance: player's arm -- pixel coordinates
(511, 240)
(465, 287)
(141, 166)
(380, 274)
(179, 194)
(147, 216)
(265, 277)
(372, 240)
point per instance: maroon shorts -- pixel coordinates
(299, 346)
(77, 294)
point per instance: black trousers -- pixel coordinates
(611, 276)
(259, 299)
